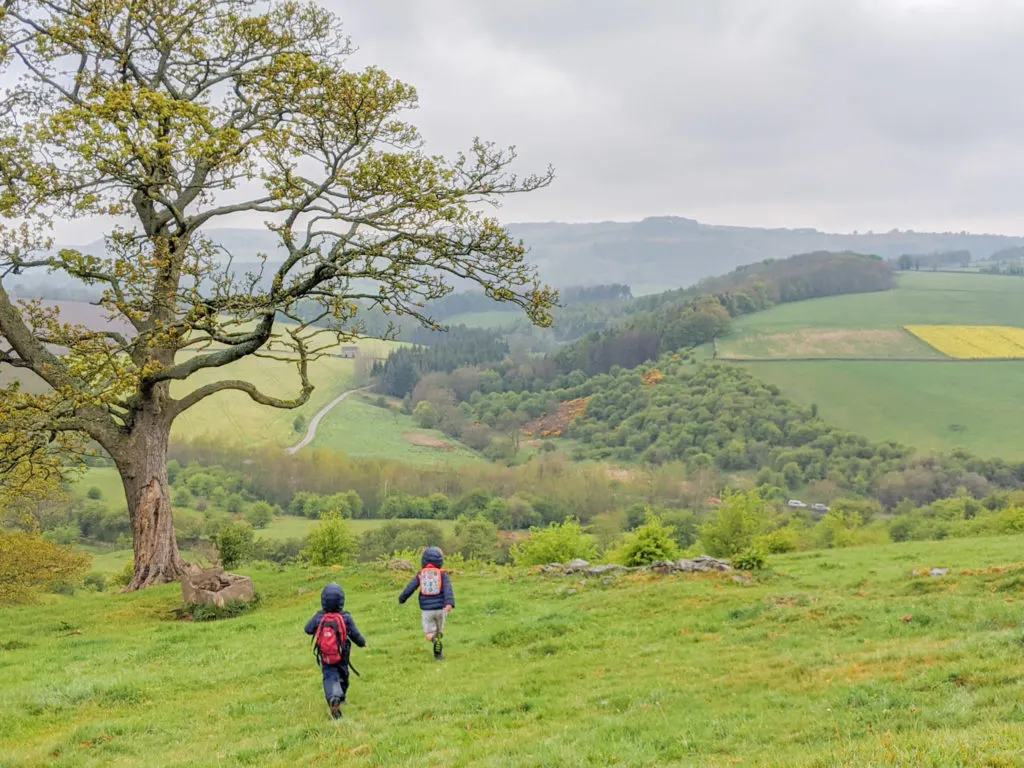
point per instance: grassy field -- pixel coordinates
(920, 299)
(933, 404)
(233, 418)
(106, 480)
(878, 343)
(839, 658)
(360, 428)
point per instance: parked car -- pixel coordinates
(796, 504)
(820, 508)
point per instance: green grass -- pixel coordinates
(232, 417)
(921, 298)
(112, 561)
(360, 428)
(107, 480)
(814, 665)
(915, 403)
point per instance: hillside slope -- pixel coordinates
(668, 252)
(834, 658)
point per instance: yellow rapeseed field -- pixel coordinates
(973, 342)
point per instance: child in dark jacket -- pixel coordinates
(336, 676)
(437, 598)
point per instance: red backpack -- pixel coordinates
(330, 638)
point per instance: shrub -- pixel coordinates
(183, 498)
(279, 551)
(260, 514)
(837, 529)
(64, 535)
(94, 493)
(216, 612)
(28, 562)
(188, 530)
(425, 414)
(399, 536)
(1011, 520)
(234, 504)
(558, 543)
(331, 542)
(299, 424)
(734, 525)
(476, 436)
(777, 542)
(95, 580)
(477, 539)
(649, 543)
(235, 544)
(749, 560)
(124, 577)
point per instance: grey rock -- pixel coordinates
(702, 564)
(571, 591)
(602, 570)
(576, 565)
(212, 586)
(608, 580)
(741, 579)
(938, 572)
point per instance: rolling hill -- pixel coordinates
(651, 255)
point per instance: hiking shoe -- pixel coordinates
(438, 647)
(336, 709)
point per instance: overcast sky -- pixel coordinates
(838, 114)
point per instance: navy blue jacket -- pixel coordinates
(332, 600)
(431, 556)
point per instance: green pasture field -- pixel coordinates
(930, 406)
(360, 428)
(837, 658)
(920, 298)
(232, 417)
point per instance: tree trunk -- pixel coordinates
(143, 469)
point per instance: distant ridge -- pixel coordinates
(663, 252)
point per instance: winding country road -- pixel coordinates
(311, 432)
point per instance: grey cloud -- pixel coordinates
(840, 114)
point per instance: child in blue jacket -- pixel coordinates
(336, 676)
(437, 598)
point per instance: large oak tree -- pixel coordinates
(172, 117)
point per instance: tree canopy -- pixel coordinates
(166, 119)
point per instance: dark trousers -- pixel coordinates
(335, 681)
